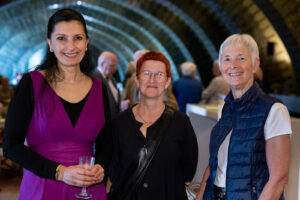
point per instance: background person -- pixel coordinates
(6, 91)
(62, 112)
(217, 89)
(131, 91)
(107, 66)
(259, 78)
(187, 89)
(130, 69)
(175, 160)
(250, 145)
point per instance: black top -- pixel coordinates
(73, 109)
(174, 163)
(18, 119)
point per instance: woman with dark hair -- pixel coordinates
(63, 114)
(155, 147)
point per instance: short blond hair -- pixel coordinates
(187, 68)
(241, 39)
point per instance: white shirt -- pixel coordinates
(278, 123)
(111, 85)
(113, 89)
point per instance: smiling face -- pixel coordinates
(150, 85)
(68, 42)
(237, 68)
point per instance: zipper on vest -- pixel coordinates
(254, 193)
(229, 145)
(254, 189)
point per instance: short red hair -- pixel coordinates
(153, 56)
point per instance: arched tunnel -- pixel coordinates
(189, 30)
(40, 138)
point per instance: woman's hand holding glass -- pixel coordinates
(79, 176)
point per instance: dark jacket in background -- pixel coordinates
(113, 104)
(187, 90)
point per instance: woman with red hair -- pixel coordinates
(155, 147)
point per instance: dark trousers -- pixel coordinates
(219, 193)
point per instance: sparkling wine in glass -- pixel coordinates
(87, 162)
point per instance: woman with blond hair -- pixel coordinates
(250, 144)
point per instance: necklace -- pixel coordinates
(69, 81)
(145, 122)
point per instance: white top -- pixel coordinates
(278, 123)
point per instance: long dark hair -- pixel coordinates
(50, 61)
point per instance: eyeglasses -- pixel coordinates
(146, 75)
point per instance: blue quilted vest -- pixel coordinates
(247, 170)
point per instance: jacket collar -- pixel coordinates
(242, 104)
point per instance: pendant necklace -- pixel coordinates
(145, 122)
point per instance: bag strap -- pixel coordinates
(127, 187)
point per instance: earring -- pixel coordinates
(50, 50)
(86, 49)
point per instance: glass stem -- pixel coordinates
(83, 191)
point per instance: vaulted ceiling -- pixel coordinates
(190, 30)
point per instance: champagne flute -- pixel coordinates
(87, 162)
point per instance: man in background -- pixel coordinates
(187, 89)
(107, 66)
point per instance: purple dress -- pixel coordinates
(52, 135)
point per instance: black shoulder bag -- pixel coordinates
(126, 187)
